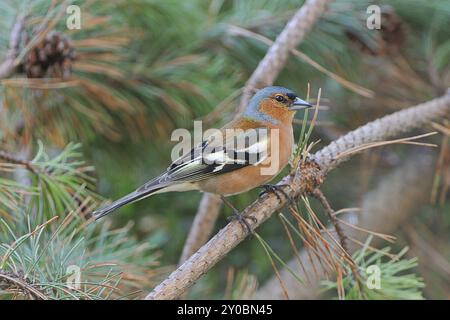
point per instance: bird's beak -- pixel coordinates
(299, 104)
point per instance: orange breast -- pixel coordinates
(252, 176)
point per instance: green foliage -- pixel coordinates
(397, 281)
(59, 182)
(144, 67)
(45, 234)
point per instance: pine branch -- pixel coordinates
(308, 177)
(275, 59)
(318, 194)
(11, 282)
(399, 122)
(382, 211)
(65, 179)
(50, 228)
(18, 161)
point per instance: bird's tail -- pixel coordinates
(129, 198)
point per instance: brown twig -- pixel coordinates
(8, 65)
(14, 282)
(18, 161)
(318, 194)
(308, 177)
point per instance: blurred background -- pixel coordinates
(87, 115)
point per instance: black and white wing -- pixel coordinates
(215, 156)
(212, 157)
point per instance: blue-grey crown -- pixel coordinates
(268, 91)
(253, 107)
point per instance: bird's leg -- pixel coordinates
(237, 215)
(276, 189)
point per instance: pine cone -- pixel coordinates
(390, 37)
(52, 57)
(392, 31)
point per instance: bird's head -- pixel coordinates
(276, 103)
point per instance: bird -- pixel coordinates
(265, 133)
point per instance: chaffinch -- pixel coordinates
(257, 146)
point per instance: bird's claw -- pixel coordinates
(276, 189)
(242, 219)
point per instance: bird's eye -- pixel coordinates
(280, 98)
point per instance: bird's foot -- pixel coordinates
(238, 216)
(242, 219)
(277, 190)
